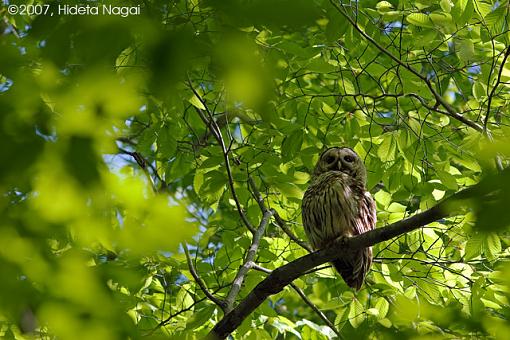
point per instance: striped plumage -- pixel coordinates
(337, 204)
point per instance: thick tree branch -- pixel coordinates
(283, 276)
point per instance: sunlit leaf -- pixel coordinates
(419, 19)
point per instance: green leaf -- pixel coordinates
(266, 309)
(446, 5)
(336, 26)
(386, 151)
(396, 207)
(385, 322)
(483, 8)
(146, 141)
(410, 292)
(383, 198)
(383, 6)
(198, 181)
(347, 87)
(441, 19)
(479, 90)
(327, 109)
(323, 330)
(167, 144)
(292, 144)
(496, 16)
(462, 11)
(195, 101)
(382, 307)
(321, 66)
(492, 246)
(285, 325)
(473, 247)
(420, 19)
(356, 313)
(200, 317)
(447, 180)
(466, 50)
(290, 190)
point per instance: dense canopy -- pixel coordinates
(154, 166)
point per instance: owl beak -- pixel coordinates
(339, 165)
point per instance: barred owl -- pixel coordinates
(337, 203)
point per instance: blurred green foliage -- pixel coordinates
(108, 167)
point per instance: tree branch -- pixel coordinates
(282, 224)
(222, 304)
(145, 165)
(284, 275)
(316, 310)
(279, 221)
(493, 91)
(248, 262)
(216, 131)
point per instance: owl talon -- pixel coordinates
(341, 239)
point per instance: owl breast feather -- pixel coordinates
(331, 206)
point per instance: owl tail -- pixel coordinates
(354, 268)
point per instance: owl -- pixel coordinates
(337, 203)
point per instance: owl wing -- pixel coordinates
(367, 216)
(355, 267)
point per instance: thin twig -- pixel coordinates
(432, 263)
(450, 111)
(257, 195)
(493, 91)
(316, 310)
(279, 221)
(248, 262)
(216, 131)
(282, 224)
(190, 307)
(144, 165)
(222, 304)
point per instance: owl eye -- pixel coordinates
(330, 159)
(349, 159)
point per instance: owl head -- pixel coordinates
(344, 160)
